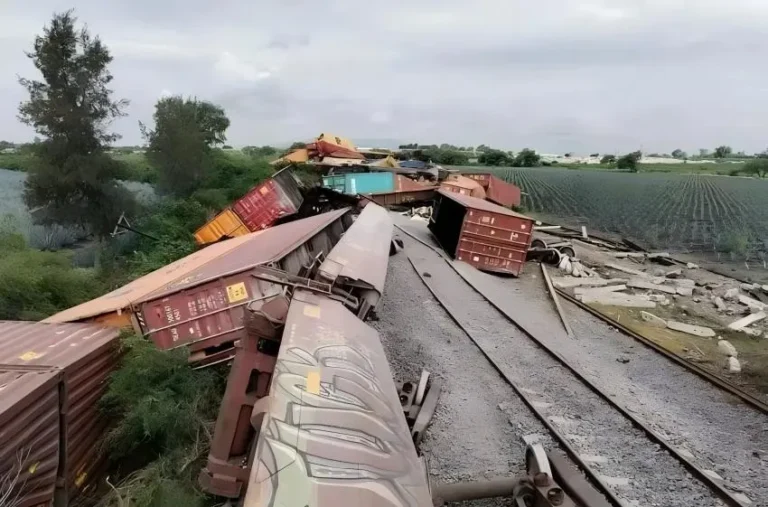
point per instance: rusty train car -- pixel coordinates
(312, 415)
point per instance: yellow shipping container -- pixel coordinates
(225, 225)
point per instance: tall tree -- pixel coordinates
(526, 158)
(723, 151)
(73, 181)
(630, 161)
(678, 153)
(180, 145)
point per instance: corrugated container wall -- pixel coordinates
(223, 226)
(84, 355)
(29, 434)
(204, 310)
(269, 201)
(497, 190)
(481, 233)
(361, 183)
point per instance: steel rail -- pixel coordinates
(694, 368)
(572, 453)
(694, 469)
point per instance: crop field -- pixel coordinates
(675, 212)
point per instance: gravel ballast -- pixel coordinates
(478, 428)
(636, 469)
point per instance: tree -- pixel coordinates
(526, 158)
(723, 151)
(594, 155)
(608, 159)
(73, 181)
(494, 158)
(678, 153)
(180, 146)
(703, 152)
(629, 161)
(758, 167)
(264, 151)
(298, 145)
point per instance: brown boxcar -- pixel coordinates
(481, 233)
(84, 355)
(225, 225)
(204, 309)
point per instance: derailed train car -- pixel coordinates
(312, 415)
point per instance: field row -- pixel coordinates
(684, 213)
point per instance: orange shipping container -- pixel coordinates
(223, 226)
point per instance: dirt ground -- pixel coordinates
(698, 309)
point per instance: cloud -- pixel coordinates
(561, 75)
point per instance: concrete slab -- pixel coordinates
(580, 291)
(567, 282)
(734, 366)
(685, 291)
(719, 304)
(630, 271)
(752, 303)
(690, 329)
(653, 320)
(623, 300)
(643, 284)
(746, 321)
(726, 348)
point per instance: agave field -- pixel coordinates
(676, 212)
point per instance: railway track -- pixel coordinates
(626, 460)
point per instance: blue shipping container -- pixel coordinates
(361, 183)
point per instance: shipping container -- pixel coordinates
(480, 233)
(270, 201)
(84, 356)
(29, 434)
(406, 197)
(116, 308)
(497, 190)
(204, 309)
(462, 185)
(225, 225)
(361, 183)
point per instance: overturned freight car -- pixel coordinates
(198, 301)
(480, 233)
(51, 379)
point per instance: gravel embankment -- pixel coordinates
(471, 438)
(714, 429)
(640, 472)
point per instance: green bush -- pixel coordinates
(35, 284)
(16, 161)
(164, 412)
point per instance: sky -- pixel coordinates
(555, 75)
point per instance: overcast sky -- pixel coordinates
(554, 75)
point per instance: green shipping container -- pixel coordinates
(361, 183)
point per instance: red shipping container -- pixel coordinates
(497, 190)
(481, 233)
(269, 201)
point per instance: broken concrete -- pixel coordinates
(659, 255)
(748, 286)
(691, 265)
(746, 321)
(685, 282)
(719, 303)
(726, 348)
(685, 291)
(567, 282)
(642, 284)
(752, 303)
(675, 273)
(752, 332)
(625, 270)
(580, 291)
(733, 365)
(653, 320)
(731, 294)
(623, 300)
(702, 331)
